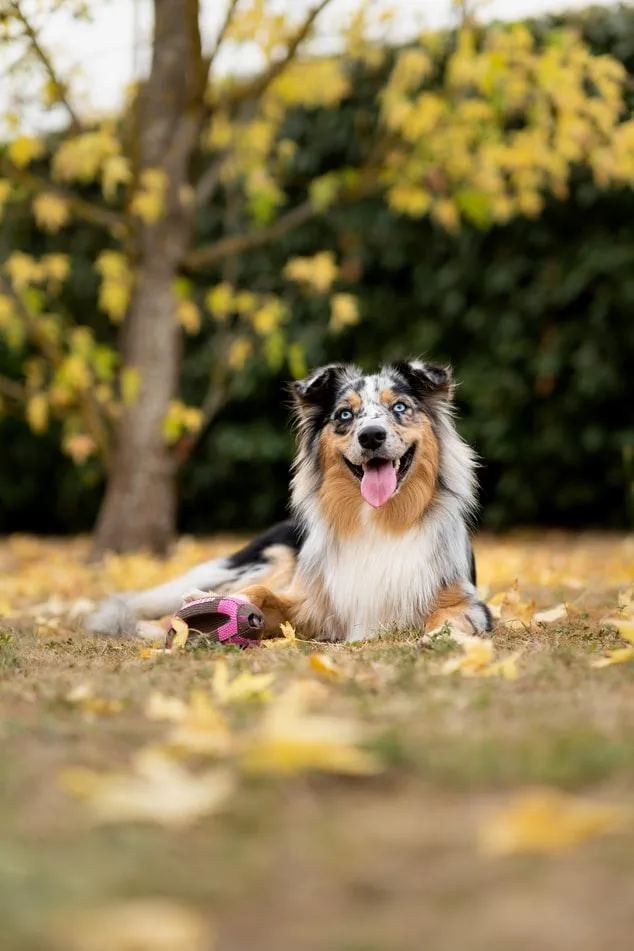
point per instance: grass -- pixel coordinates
(320, 862)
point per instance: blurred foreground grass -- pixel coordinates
(315, 861)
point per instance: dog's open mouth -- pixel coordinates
(380, 478)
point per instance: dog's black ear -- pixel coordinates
(317, 392)
(426, 379)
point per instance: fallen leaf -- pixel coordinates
(476, 656)
(287, 639)
(506, 668)
(158, 790)
(324, 665)
(620, 655)
(82, 696)
(181, 633)
(142, 924)
(623, 626)
(161, 707)
(545, 820)
(245, 686)
(552, 615)
(202, 730)
(290, 740)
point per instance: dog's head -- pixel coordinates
(375, 431)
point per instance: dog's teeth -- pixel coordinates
(397, 464)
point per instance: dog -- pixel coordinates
(382, 497)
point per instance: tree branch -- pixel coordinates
(259, 84)
(85, 210)
(208, 182)
(47, 63)
(239, 243)
(222, 32)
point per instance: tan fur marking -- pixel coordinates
(351, 400)
(339, 494)
(451, 606)
(387, 397)
(417, 491)
(276, 608)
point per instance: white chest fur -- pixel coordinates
(375, 580)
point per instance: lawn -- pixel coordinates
(354, 800)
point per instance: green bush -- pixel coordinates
(534, 316)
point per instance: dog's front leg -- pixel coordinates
(276, 608)
(459, 606)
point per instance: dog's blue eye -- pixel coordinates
(344, 415)
(399, 407)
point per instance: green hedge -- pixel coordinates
(535, 316)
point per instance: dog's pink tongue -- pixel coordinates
(378, 483)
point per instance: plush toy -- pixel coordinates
(228, 619)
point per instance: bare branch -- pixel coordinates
(85, 210)
(222, 32)
(239, 243)
(208, 182)
(47, 63)
(259, 84)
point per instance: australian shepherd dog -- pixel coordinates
(383, 491)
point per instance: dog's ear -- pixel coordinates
(316, 393)
(426, 379)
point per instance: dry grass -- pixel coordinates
(317, 862)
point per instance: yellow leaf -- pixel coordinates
(202, 731)
(140, 924)
(22, 269)
(291, 740)
(149, 201)
(181, 633)
(79, 446)
(83, 697)
(23, 150)
(37, 412)
(245, 686)
(239, 352)
(188, 316)
(51, 212)
(158, 790)
(115, 172)
(506, 668)
(288, 631)
(160, 707)
(323, 665)
(344, 312)
(625, 627)
(317, 272)
(287, 639)
(620, 655)
(552, 615)
(549, 821)
(410, 199)
(56, 266)
(475, 659)
(219, 300)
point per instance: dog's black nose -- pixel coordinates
(372, 437)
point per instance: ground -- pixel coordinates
(391, 858)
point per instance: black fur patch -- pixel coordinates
(287, 533)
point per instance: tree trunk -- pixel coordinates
(139, 507)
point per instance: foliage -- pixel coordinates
(501, 303)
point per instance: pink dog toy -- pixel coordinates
(228, 619)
